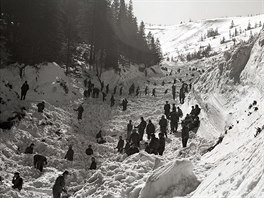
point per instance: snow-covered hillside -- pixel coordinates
(184, 38)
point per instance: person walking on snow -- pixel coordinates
(150, 129)
(137, 91)
(120, 145)
(124, 104)
(80, 111)
(141, 128)
(185, 134)
(154, 92)
(173, 91)
(167, 109)
(69, 154)
(163, 126)
(24, 90)
(112, 101)
(93, 164)
(129, 129)
(59, 185)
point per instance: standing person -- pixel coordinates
(173, 91)
(161, 144)
(190, 86)
(141, 128)
(134, 138)
(173, 107)
(29, 149)
(89, 150)
(107, 89)
(93, 164)
(150, 129)
(39, 162)
(163, 83)
(115, 90)
(146, 90)
(179, 111)
(185, 135)
(69, 154)
(167, 109)
(59, 185)
(104, 95)
(174, 119)
(163, 126)
(120, 145)
(17, 181)
(24, 90)
(154, 144)
(197, 110)
(102, 85)
(121, 91)
(182, 95)
(129, 129)
(112, 100)
(124, 104)
(80, 111)
(154, 92)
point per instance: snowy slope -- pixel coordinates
(183, 38)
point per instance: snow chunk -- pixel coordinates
(177, 174)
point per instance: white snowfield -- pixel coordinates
(234, 168)
(186, 37)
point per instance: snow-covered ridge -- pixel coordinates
(184, 38)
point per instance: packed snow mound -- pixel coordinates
(186, 37)
(176, 176)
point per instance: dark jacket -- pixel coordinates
(185, 132)
(154, 145)
(69, 155)
(59, 184)
(18, 182)
(29, 150)
(24, 87)
(163, 123)
(120, 145)
(135, 138)
(132, 150)
(167, 108)
(141, 127)
(93, 166)
(174, 117)
(150, 128)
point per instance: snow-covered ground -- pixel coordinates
(233, 169)
(184, 38)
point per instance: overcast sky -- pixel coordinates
(175, 11)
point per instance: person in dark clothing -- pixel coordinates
(121, 91)
(190, 86)
(89, 150)
(174, 119)
(146, 90)
(89, 92)
(197, 110)
(99, 138)
(69, 154)
(127, 146)
(147, 148)
(24, 90)
(167, 109)
(96, 92)
(124, 104)
(112, 101)
(120, 145)
(161, 144)
(129, 129)
(41, 106)
(134, 138)
(173, 107)
(182, 95)
(166, 91)
(59, 185)
(80, 111)
(141, 128)
(39, 162)
(137, 91)
(154, 92)
(102, 85)
(150, 129)
(29, 149)
(173, 91)
(115, 90)
(163, 125)
(154, 144)
(132, 150)
(179, 111)
(86, 93)
(17, 181)
(107, 89)
(192, 111)
(93, 164)
(163, 83)
(185, 134)
(104, 95)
